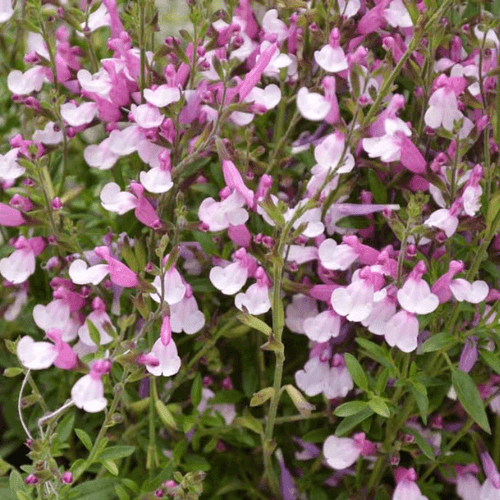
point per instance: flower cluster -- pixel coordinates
(315, 181)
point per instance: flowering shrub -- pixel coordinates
(259, 259)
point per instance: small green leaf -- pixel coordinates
(377, 187)
(93, 332)
(350, 408)
(166, 417)
(250, 422)
(442, 340)
(13, 371)
(121, 492)
(305, 408)
(255, 323)
(21, 495)
(16, 482)
(115, 452)
(262, 396)
(376, 352)
(350, 422)
(84, 438)
(196, 390)
(421, 443)
(4, 467)
(469, 397)
(378, 405)
(491, 359)
(111, 467)
(65, 427)
(356, 371)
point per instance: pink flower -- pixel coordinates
(256, 298)
(165, 350)
(88, 392)
(185, 315)
(402, 331)
(41, 355)
(232, 278)
(301, 308)
(407, 488)
(446, 219)
(76, 116)
(415, 296)
(331, 57)
(102, 322)
(341, 453)
(339, 381)
(10, 217)
(119, 273)
(174, 288)
(20, 265)
(356, 300)
(56, 314)
(9, 168)
(115, 200)
(323, 327)
(384, 308)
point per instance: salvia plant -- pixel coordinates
(257, 259)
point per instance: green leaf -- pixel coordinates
(421, 443)
(491, 359)
(377, 187)
(376, 352)
(93, 332)
(442, 340)
(166, 417)
(84, 438)
(422, 402)
(225, 397)
(4, 467)
(378, 405)
(98, 489)
(305, 408)
(21, 495)
(255, 323)
(111, 467)
(115, 452)
(350, 408)
(121, 492)
(350, 422)
(196, 389)
(259, 398)
(250, 422)
(469, 397)
(16, 482)
(356, 371)
(13, 371)
(65, 427)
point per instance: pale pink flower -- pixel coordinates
(220, 215)
(48, 135)
(78, 115)
(88, 392)
(397, 15)
(356, 300)
(100, 319)
(162, 96)
(323, 327)
(407, 488)
(232, 278)
(331, 57)
(185, 316)
(341, 453)
(384, 308)
(174, 288)
(56, 314)
(339, 381)
(446, 219)
(30, 81)
(468, 487)
(256, 298)
(301, 308)
(402, 331)
(6, 10)
(415, 296)
(146, 115)
(20, 265)
(9, 168)
(100, 155)
(165, 350)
